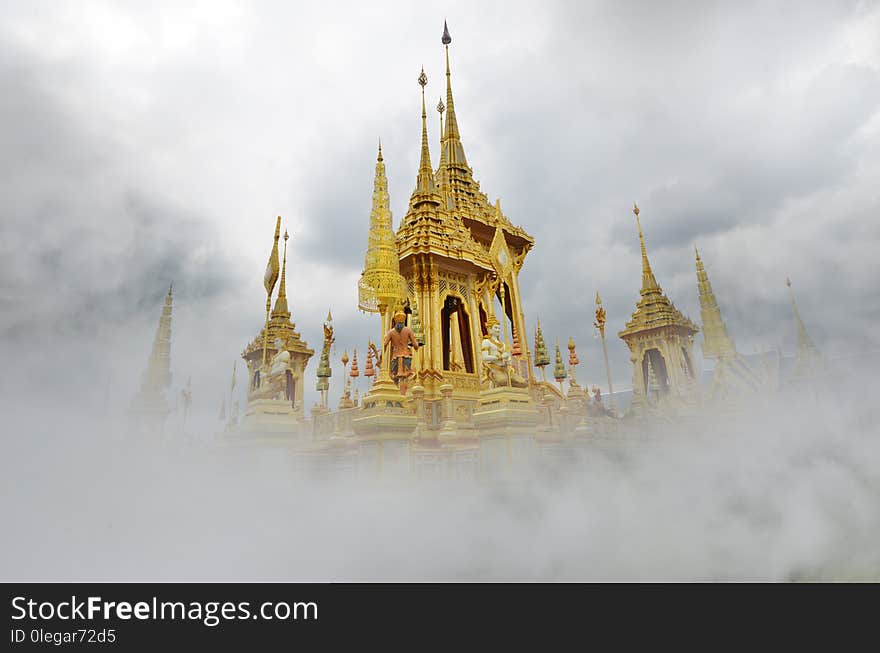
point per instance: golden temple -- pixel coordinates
(473, 404)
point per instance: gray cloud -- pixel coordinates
(145, 145)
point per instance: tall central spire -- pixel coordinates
(648, 280)
(452, 152)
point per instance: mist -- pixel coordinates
(787, 490)
(145, 145)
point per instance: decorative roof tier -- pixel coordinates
(653, 310)
(448, 215)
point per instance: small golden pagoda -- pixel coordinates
(150, 405)
(661, 339)
(270, 408)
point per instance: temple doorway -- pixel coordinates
(660, 373)
(458, 349)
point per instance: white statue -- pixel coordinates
(274, 384)
(280, 361)
(496, 359)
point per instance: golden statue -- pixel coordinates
(401, 338)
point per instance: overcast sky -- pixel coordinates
(145, 143)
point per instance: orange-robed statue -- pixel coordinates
(401, 338)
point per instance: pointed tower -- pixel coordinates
(659, 337)
(380, 285)
(731, 375)
(717, 344)
(279, 326)
(809, 361)
(444, 244)
(150, 403)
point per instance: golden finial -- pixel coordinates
(329, 316)
(379, 158)
(345, 358)
(598, 299)
(441, 107)
(425, 189)
(453, 152)
(648, 280)
(281, 300)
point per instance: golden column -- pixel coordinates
(600, 324)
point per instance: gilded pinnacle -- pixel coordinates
(446, 39)
(717, 344)
(423, 78)
(281, 309)
(380, 282)
(648, 280)
(441, 107)
(808, 357)
(654, 309)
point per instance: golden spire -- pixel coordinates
(157, 376)
(452, 152)
(654, 309)
(717, 344)
(648, 280)
(425, 190)
(808, 357)
(281, 309)
(380, 283)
